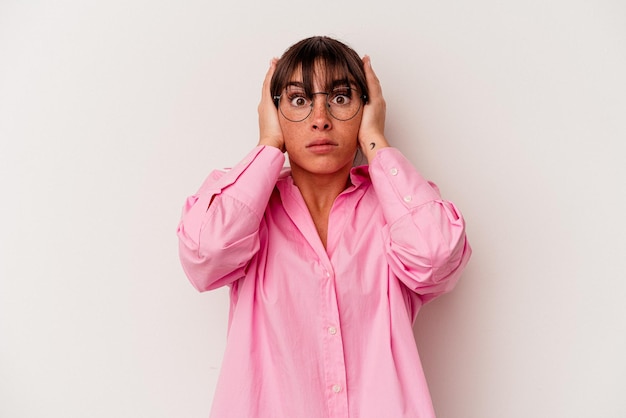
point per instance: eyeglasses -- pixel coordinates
(343, 103)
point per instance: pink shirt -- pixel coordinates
(317, 332)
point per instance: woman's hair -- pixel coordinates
(341, 63)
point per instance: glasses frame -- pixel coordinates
(362, 97)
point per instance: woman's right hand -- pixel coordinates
(269, 127)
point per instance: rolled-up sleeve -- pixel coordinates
(218, 230)
(425, 239)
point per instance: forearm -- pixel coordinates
(218, 231)
(425, 235)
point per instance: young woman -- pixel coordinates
(327, 264)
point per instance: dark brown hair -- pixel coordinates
(341, 63)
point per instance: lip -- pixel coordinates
(321, 146)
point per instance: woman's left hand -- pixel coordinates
(372, 130)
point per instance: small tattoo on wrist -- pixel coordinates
(372, 145)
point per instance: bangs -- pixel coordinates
(328, 74)
(329, 61)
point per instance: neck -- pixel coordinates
(320, 190)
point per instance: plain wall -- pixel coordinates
(112, 112)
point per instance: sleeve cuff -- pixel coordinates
(399, 186)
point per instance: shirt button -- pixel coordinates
(394, 171)
(408, 198)
(336, 388)
(332, 330)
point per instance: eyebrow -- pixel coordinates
(295, 84)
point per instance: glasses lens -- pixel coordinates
(294, 104)
(343, 103)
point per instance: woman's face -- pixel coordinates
(320, 144)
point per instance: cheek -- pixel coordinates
(281, 120)
(284, 125)
(352, 130)
(289, 132)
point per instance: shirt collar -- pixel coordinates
(359, 176)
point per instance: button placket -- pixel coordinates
(332, 342)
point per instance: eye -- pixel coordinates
(297, 97)
(298, 101)
(341, 96)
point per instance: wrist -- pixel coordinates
(273, 142)
(372, 144)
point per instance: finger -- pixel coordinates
(373, 84)
(268, 79)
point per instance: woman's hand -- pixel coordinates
(372, 130)
(269, 127)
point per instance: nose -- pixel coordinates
(320, 118)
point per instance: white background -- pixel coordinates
(112, 112)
